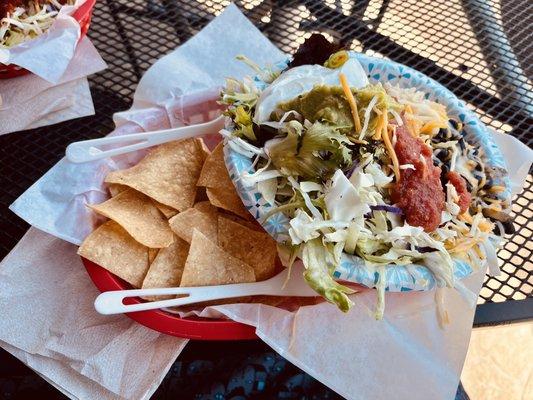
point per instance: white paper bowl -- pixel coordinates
(352, 268)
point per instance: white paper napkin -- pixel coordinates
(406, 355)
(49, 323)
(48, 55)
(30, 101)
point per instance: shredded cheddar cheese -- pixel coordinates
(479, 252)
(430, 127)
(409, 122)
(390, 149)
(466, 217)
(463, 245)
(485, 226)
(351, 101)
(379, 128)
(497, 189)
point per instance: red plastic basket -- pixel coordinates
(165, 322)
(82, 15)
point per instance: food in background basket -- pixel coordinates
(23, 20)
(373, 170)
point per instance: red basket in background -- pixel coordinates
(82, 15)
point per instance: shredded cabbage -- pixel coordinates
(26, 22)
(320, 263)
(336, 188)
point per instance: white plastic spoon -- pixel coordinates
(112, 302)
(91, 150)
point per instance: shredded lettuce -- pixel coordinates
(336, 189)
(268, 189)
(320, 263)
(342, 199)
(304, 228)
(267, 75)
(28, 21)
(310, 153)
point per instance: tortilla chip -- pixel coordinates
(207, 264)
(115, 189)
(200, 194)
(167, 174)
(204, 148)
(257, 249)
(139, 217)
(167, 211)
(205, 206)
(167, 268)
(214, 172)
(252, 224)
(218, 184)
(152, 254)
(206, 222)
(228, 199)
(111, 247)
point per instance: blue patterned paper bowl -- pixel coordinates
(352, 268)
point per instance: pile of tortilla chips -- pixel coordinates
(175, 219)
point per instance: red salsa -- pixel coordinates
(419, 193)
(460, 187)
(8, 6)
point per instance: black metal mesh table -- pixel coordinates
(480, 50)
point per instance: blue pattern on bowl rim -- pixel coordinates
(399, 278)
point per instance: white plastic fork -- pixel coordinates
(91, 150)
(112, 302)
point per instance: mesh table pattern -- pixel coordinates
(480, 50)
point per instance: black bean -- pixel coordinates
(263, 133)
(444, 155)
(489, 183)
(469, 186)
(442, 133)
(455, 136)
(454, 123)
(508, 227)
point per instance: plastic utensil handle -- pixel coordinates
(90, 150)
(112, 302)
